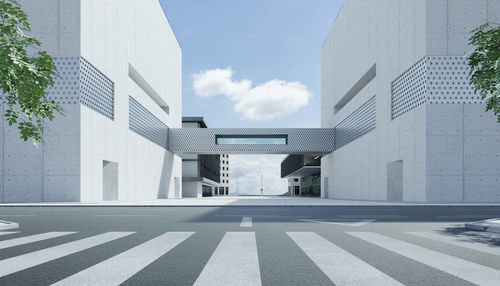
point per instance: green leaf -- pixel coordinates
(23, 78)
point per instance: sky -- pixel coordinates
(252, 64)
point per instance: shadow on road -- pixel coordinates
(460, 231)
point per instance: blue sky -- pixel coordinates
(252, 63)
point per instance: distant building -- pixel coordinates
(223, 189)
(201, 174)
(303, 172)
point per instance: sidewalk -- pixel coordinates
(242, 201)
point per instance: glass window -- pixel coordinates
(251, 139)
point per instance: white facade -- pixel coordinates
(131, 44)
(432, 139)
(223, 188)
(195, 184)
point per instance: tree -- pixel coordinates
(484, 63)
(24, 77)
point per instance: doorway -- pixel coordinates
(395, 181)
(109, 181)
(325, 187)
(177, 187)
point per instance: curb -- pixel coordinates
(8, 225)
(249, 205)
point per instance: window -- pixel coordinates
(251, 139)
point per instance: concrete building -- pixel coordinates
(408, 126)
(223, 189)
(303, 172)
(201, 173)
(119, 83)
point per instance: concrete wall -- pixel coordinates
(50, 172)
(191, 189)
(394, 35)
(115, 34)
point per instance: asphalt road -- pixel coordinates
(386, 245)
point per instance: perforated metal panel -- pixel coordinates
(408, 90)
(300, 140)
(433, 80)
(144, 123)
(79, 82)
(97, 91)
(360, 122)
(66, 88)
(448, 82)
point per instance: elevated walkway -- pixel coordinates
(251, 140)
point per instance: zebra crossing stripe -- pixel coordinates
(234, 262)
(32, 238)
(246, 221)
(119, 268)
(8, 232)
(340, 266)
(460, 241)
(469, 271)
(24, 261)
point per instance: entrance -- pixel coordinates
(206, 191)
(109, 181)
(395, 181)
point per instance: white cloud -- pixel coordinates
(270, 100)
(244, 174)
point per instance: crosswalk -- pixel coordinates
(235, 260)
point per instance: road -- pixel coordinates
(371, 245)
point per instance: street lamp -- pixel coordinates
(261, 183)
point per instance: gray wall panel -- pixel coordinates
(144, 123)
(360, 122)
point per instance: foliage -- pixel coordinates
(24, 77)
(484, 63)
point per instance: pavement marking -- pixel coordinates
(340, 266)
(372, 216)
(8, 232)
(121, 267)
(469, 271)
(246, 221)
(471, 216)
(348, 222)
(16, 215)
(466, 242)
(24, 261)
(32, 238)
(267, 216)
(126, 215)
(234, 262)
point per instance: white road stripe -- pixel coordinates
(469, 271)
(234, 262)
(375, 216)
(342, 221)
(24, 261)
(125, 215)
(17, 215)
(340, 266)
(8, 232)
(246, 221)
(466, 242)
(121, 267)
(32, 238)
